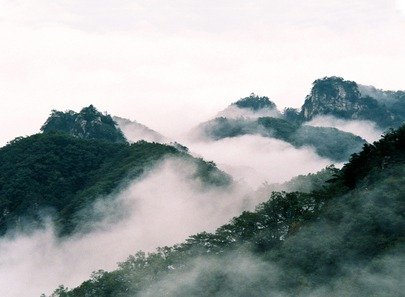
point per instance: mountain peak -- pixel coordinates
(346, 99)
(89, 123)
(332, 95)
(255, 103)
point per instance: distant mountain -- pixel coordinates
(328, 142)
(330, 96)
(348, 100)
(135, 131)
(255, 103)
(251, 107)
(89, 123)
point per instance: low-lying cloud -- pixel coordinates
(162, 208)
(234, 112)
(365, 129)
(255, 159)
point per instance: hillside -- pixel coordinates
(333, 241)
(58, 174)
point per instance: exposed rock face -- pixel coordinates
(332, 95)
(346, 99)
(89, 123)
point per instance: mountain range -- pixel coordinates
(318, 234)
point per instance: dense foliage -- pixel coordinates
(328, 142)
(375, 157)
(334, 241)
(59, 174)
(89, 123)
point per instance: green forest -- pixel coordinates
(58, 174)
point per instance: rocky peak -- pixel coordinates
(332, 95)
(89, 123)
(348, 100)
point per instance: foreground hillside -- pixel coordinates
(345, 239)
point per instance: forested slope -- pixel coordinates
(346, 239)
(58, 174)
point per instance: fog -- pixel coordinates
(338, 254)
(365, 129)
(254, 159)
(245, 274)
(170, 66)
(162, 208)
(234, 112)
(135, 131)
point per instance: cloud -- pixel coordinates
(229, 275)
(234, 112)
(255, 159)
(163, 208)
(353, 248)
(365, 129)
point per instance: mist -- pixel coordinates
(254, 160)
(234, 112)
(243, 274)
(143, 216)
(338, 254)
(365, 129)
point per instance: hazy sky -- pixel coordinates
(172, 64)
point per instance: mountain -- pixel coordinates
(348, 100)
(327, 142)
(135, 131)
(253, 106)
(345, 239)
(255, 103)
(330, 96)
(89, 123)
(59, 174)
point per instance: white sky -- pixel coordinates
(172, 64)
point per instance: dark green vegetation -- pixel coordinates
(345, 239)
(58, 174)
(255, 103)
(328, 142)
(346, 99)
(89, 123)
